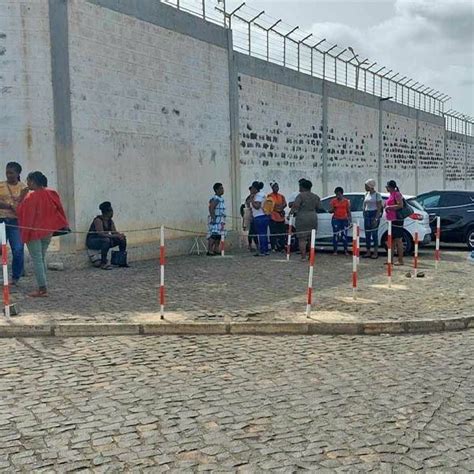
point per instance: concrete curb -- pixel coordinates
(236, 328)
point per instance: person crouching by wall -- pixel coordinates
(40, 214)
(103, 236)
(216, 225)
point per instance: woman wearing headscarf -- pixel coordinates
(305, 209)
(40, 215)
(372, 211)
(10, 193)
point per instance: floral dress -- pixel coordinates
(217, 226)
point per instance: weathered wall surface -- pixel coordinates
(399, 150)
(352, 145)
(430, 156)
(280, 135)
(26, 105)
(150, 115)
(459, 152)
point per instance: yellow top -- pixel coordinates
(9, 194)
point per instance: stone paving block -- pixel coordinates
(185, 328)
(269, 328)
(96, 329)
(334, 328)
(455, 324)
(25, 330)
(383, 327)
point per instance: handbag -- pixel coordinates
(63, 231)
(119, 258)
(405, 211)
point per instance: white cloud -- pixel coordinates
(432, 42)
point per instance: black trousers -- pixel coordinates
(104, 244)
(278, 241)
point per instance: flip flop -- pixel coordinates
(38, 294)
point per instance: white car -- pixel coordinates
(418, 221)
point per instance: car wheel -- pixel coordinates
(408, 244)
(470, 238)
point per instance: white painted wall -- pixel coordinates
(150, 116)
(26, 101)
(455, 163)
(399, 151)
(352, 145)
(431, 157)
(280, 135)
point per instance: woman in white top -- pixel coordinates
(373, 209)
(260, 219)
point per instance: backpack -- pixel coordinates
(268, 206)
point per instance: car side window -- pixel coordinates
(454, 200)
(357, 202)
(324, 206)
(430, 201)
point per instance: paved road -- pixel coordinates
(238, 404)
(247, 288)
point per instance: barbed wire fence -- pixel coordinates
(260, 35)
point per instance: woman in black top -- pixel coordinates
(103, 235)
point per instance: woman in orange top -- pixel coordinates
(341, 208)
(277, 222)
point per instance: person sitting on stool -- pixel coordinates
(103, 236)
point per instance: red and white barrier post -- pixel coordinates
(311, 273)
(355, 253)
(415, 255)
(222, 241)
(6, 286)
(438, 238)
(162, 272)
(357, 233)
(288, 242)
(389, 254)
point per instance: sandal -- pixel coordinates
(106, 266)
(38, 294)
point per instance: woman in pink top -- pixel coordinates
(394, 203)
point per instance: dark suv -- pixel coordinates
(456, 209)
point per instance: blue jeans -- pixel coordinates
(14, 239)
(371, 227)
(261, 226)
(37, 250)
(339, 228)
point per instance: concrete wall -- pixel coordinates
(147, 106)
(150, 115)
(459, 161)
(280, 134)
(352, 144)
(26, 104)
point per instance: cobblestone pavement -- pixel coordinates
(238, 404)
(247, 288)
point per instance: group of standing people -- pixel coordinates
(32, 214)
(264, 214)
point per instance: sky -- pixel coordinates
(431, 41)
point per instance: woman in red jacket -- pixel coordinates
(40, 215)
